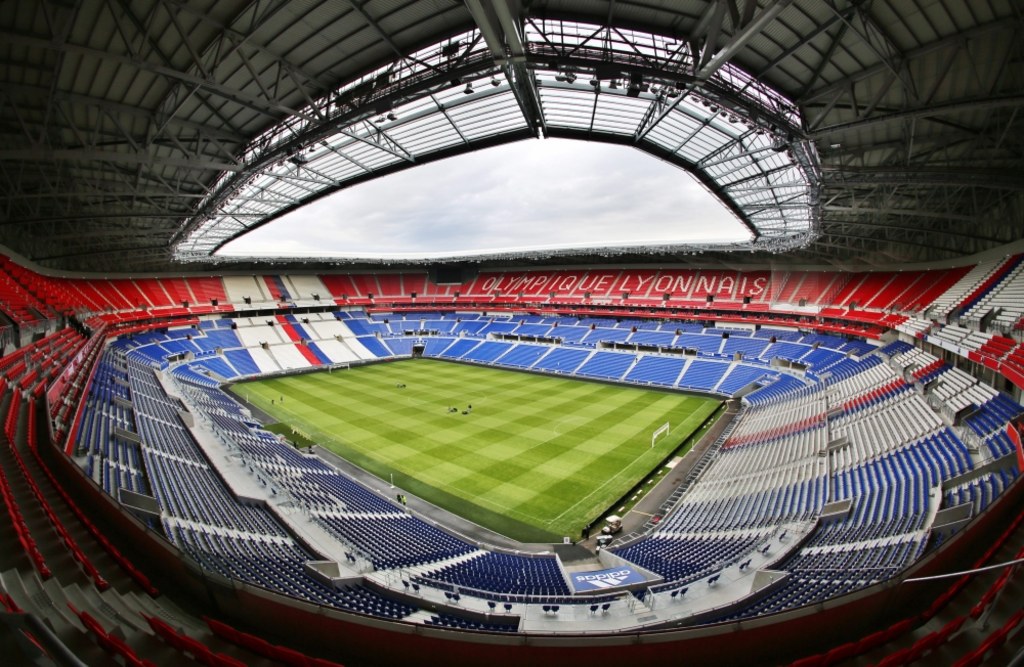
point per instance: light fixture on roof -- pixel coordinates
(614, 84)
(392, 116)
(570, 77)
(595, 83)
(495, 82)
(469, 88)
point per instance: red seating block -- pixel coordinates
(840, 653)
(896, 659)
(262, 647)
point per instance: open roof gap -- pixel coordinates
(527, 195)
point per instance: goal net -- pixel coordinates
(660, 432)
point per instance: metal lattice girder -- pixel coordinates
(923, 177)
(553, 78)
(175, 114)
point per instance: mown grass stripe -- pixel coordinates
(538, 457)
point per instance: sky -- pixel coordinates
(525, 195)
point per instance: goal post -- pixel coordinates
(662, 430)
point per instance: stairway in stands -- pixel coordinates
(85, 614)
(986, 604)
(979, 620)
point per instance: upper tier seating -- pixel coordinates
(16, 301)
(750, 291)
(1002, 293)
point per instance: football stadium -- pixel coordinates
(798, 446)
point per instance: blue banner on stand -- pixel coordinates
(599, 580)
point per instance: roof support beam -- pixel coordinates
(383, 141)
(360, 9)
(486, 20)
(925, 111)
(502, 34)
(270, 107)
(93, 154)
(523, 84)
(740, 38)
(889, 177)
(961, 38)
(806, 39)
(910, 213)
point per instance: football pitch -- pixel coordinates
(534, 457)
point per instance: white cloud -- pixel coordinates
(519, 196)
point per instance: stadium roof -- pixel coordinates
(138, 135)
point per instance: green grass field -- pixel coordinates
(538, 457)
